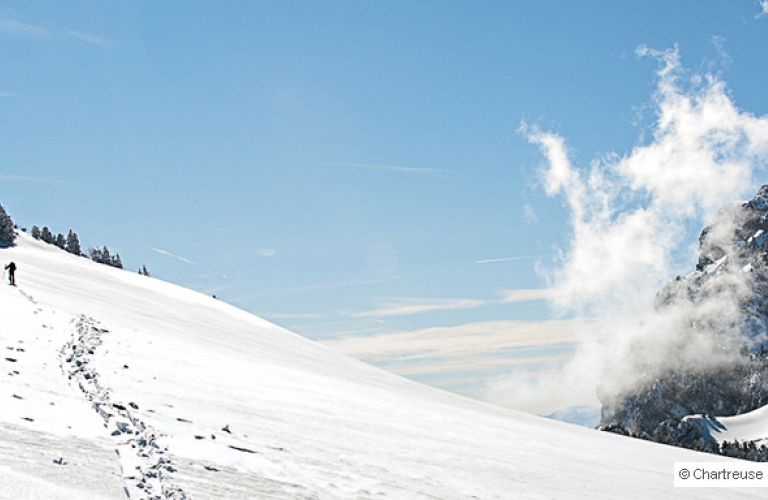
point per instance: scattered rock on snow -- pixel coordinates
(244, 450)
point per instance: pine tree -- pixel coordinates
(46, 235)
(7, 234)
(73, 243)
(60, 241)
(35, 232)
(100, 255)
(143, 271)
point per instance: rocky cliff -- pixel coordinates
(709, 357)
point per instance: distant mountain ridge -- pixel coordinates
(712, 361)
(584, 416)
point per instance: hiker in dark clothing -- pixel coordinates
(11, 273)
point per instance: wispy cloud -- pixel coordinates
(11, 27)
(410, 306)
(169, 254)
(508, 259)
(436, 172)
(529, 214)
(269, 315)
(24, 178)
(525, 295)
(462, 340)
(265, 252)
(324, 286)
(464, 358)
(406, 307)
(89, 38)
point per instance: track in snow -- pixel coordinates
(147, 468)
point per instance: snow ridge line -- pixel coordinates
(146, 470)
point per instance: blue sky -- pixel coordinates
(354, 171)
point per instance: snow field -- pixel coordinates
(240, 408)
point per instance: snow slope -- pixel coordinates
(750, 426)
(115, 384)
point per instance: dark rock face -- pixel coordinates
(712, 360)
(672, 395)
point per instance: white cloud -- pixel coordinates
(509, 259)
(89, 38)
(169, 254)
(481, 359)
(11, 27)
(569, 382)
(436, 172)
(628, 213)
(293, 315)
(525, 295)
(24, 178)
(265, 252)
(529, 214)
(629, 216)
(763, 9)
(461, 340)
(328, 285)
(407, 307)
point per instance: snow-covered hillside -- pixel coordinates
(751, 426)
(116, 384)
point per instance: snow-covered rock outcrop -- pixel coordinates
(710, 357)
